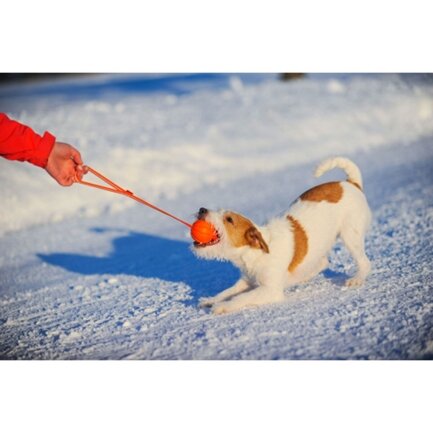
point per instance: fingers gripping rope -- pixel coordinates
(119, 190)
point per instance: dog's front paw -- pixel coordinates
(206, 302)
(354, 282)
(221, 308)
(225, 307)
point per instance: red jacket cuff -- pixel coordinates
(42, 152)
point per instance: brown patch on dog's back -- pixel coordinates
(300, 243)
(242, 232)
(330, 192)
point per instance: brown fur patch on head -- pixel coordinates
(330, 192)
(242, 232)
(300, 243)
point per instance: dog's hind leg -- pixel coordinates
(354, 241)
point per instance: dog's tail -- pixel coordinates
(351, 169)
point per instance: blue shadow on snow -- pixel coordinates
(174, 84)
(149, 256)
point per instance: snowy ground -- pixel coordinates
(85, 274)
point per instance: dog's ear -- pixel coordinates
(255, 240)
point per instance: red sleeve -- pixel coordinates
(19, 142)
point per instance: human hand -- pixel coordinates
(65, 164)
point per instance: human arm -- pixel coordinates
(19, 142)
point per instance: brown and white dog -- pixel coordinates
(293, 248)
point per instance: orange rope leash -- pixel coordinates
(119, 190)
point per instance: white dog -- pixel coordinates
(293, 248)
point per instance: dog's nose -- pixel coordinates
(202, 213)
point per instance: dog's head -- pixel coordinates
(236, 234)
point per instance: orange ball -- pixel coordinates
(203, 232)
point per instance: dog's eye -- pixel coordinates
(229, 220)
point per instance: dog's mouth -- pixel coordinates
(210, 243)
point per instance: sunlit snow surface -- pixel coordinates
(85, 274)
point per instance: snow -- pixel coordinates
(85, 274)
